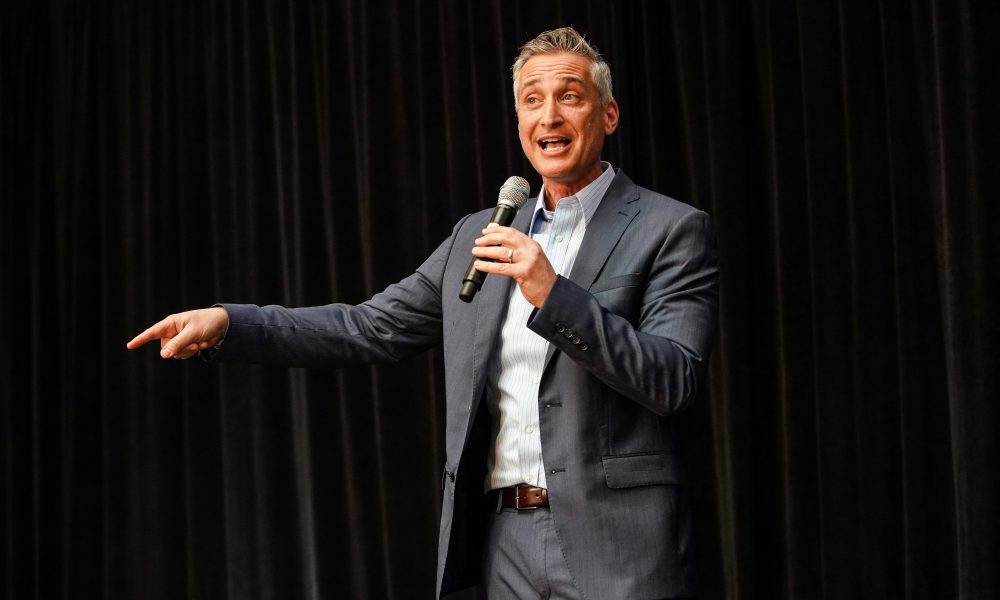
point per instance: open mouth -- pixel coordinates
(553, 144)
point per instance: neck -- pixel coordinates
(557, 190)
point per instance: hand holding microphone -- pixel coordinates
(513, 194)
(506, 251)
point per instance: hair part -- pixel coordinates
(565, 39)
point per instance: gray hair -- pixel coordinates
(566, 39)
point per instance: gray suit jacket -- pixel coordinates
(630, 332)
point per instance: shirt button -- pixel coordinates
(559, 238)
(536, 379)
(529, 429)
(529, 479)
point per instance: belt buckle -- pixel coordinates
(517, 501)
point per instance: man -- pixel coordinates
(562, 477)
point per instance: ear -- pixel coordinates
(610, 117)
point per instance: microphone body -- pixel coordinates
(513, 195)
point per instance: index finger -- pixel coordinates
(154, 332)
(496, 235)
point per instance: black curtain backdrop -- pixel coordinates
(163, 156)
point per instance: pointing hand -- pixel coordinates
(182, 335)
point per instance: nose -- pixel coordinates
(552, 115)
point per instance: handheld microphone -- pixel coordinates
(513, 194)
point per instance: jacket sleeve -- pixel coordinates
(400, 321)
(658, 361)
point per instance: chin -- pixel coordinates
(553, 169)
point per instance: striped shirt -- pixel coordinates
(516, 456)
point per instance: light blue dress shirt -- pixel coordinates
(516, 456)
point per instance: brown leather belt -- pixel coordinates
(524, 497)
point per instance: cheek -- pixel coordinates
(524, 136)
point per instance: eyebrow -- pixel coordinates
(565, 79)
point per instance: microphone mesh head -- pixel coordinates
(514, 192)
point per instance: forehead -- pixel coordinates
(555, 67)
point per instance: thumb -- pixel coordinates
(170, 346)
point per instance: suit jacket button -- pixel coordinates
(584, 346)
(560, 327)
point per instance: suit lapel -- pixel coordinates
(613, 216)
(491, 310)
(610, 220)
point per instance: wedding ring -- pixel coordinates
(510, 255)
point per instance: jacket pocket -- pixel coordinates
(641, 469)
(618, 281)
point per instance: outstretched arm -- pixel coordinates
(183, 335)
(397, 322)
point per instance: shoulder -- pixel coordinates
(468, 228)
(652, 206)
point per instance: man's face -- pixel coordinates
(560, 120)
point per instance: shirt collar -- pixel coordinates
(589, 197)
